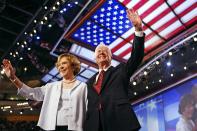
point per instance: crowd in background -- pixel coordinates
(18, 126)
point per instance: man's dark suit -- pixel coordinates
(116, 113)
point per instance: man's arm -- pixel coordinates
(138, 43)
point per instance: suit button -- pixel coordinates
(99, 106)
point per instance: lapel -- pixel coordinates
(92, 82)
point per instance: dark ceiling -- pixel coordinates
(31, 36)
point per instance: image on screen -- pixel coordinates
(160, 112)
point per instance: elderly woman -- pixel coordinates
(186, 110)
(64, 102)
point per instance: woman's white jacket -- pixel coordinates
(50, 95)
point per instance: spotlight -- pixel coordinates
(45, 8)
(160, 81)
(195, 39)
(3, 71)
(134, 83)
(76, 2)
(38, 37)
(58, 3)
(170, 53)
(54, 7)
(185, 68)
(168, 63)
(34, 31)
(49, 25)
(17, 43)
(45, 18)
(135, 93)
(145, 73)
(25, 69)
(157, 62)
(35, 21)
(41, 22)
(171, 75)
(147, 87)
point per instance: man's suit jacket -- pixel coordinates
(116, 113)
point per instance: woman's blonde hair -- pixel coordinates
(74, 62)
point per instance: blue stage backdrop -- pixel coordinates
(160, 112)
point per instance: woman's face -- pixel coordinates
(65, 68)
(188, 111)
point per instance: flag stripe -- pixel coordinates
(161, 28)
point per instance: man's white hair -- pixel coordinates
(103, 45)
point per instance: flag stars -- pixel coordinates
(114, 28)
(122, 12)
(88, 28)
(120, 31)
(101, 38)
(120, 27)
(114, 18)
(82, 34)
(107, 41)
(76, 35)
(116, 7)
(121, 17)
(101, 20)
(127, 26)
(100, 34)
(95, 17)
(94, 26)
(109, 14)
(114, 23)
(115, 13)
(110, 2)
(108, 19)
(109, 8)
(102, 15)
(152, 105)
(82, 29)
(82, 38)
(103, 9)
(120, 22)
(127, 21)
(88, 23)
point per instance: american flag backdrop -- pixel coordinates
(162, 20)
(150, 115)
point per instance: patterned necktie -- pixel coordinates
(98, 84)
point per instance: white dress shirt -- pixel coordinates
(184, 125)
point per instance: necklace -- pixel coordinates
(69, 82)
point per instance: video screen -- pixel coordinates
(160, 112)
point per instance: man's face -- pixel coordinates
(103, 55)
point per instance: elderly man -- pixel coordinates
(109, 108)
